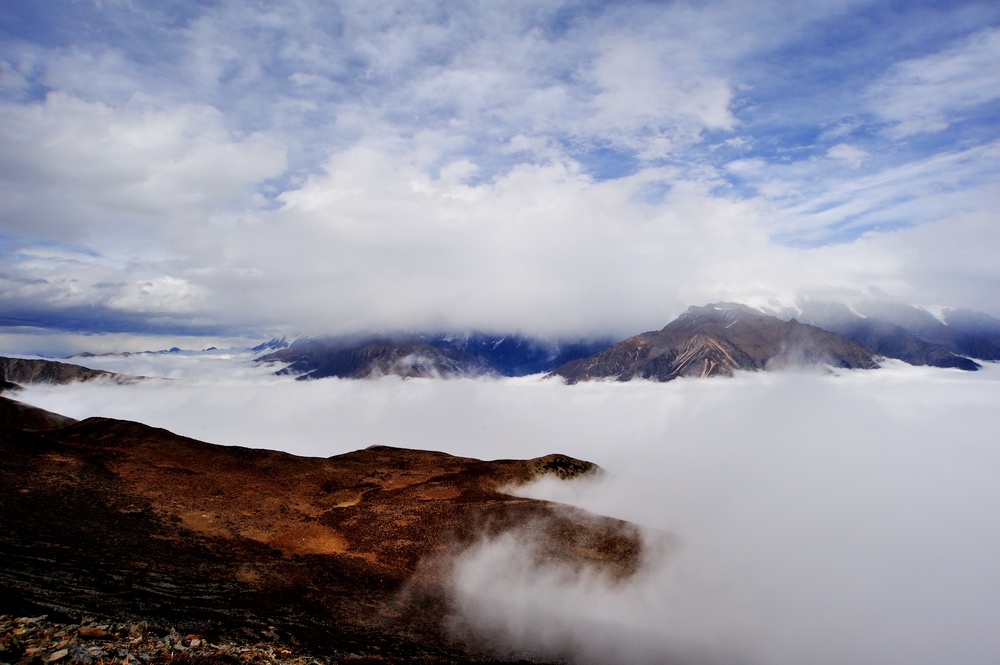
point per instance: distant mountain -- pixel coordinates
(906, 333)
(517, 355)
(411, 355)
(273, 344)
(972, 333)
(127, 354)
(719, 339)
(374, 357)
(347, 556)
(28, 370)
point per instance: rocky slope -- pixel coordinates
(718, 340)
(20, 370)
(118, 520)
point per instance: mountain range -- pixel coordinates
(419, 355)
(716, 339)
(15, 371)
(719, 340)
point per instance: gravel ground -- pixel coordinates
(38, 641)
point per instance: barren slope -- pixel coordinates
(128, 521)
(718, 340)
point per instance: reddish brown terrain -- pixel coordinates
(125, 522)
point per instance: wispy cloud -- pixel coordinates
(930, 93)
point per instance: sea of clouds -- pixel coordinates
(822, 518)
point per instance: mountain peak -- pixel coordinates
(725, 312)
(719, 339)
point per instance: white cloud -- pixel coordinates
(656, 97)
(928, 93)
(817, 198)
(126, 170)
(161, 295)
(852, 155)
(376, 243)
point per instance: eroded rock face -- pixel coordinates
(135, 523)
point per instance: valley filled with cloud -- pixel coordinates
(821, 518)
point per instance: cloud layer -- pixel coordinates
(823, 519)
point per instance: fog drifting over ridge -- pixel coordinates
(822, 518)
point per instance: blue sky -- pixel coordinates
(232, 168)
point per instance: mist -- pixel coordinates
(821, 518)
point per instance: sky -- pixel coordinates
(817, 518)
(230, 170)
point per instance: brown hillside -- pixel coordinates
(122, 520)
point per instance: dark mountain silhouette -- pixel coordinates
(718, 340)
(374, 357)
(416, 355)
(974, 334)
(348, 554)
(516, 355)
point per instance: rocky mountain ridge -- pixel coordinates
(15, 371)
(717, 340)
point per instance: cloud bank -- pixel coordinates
(820, 520)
